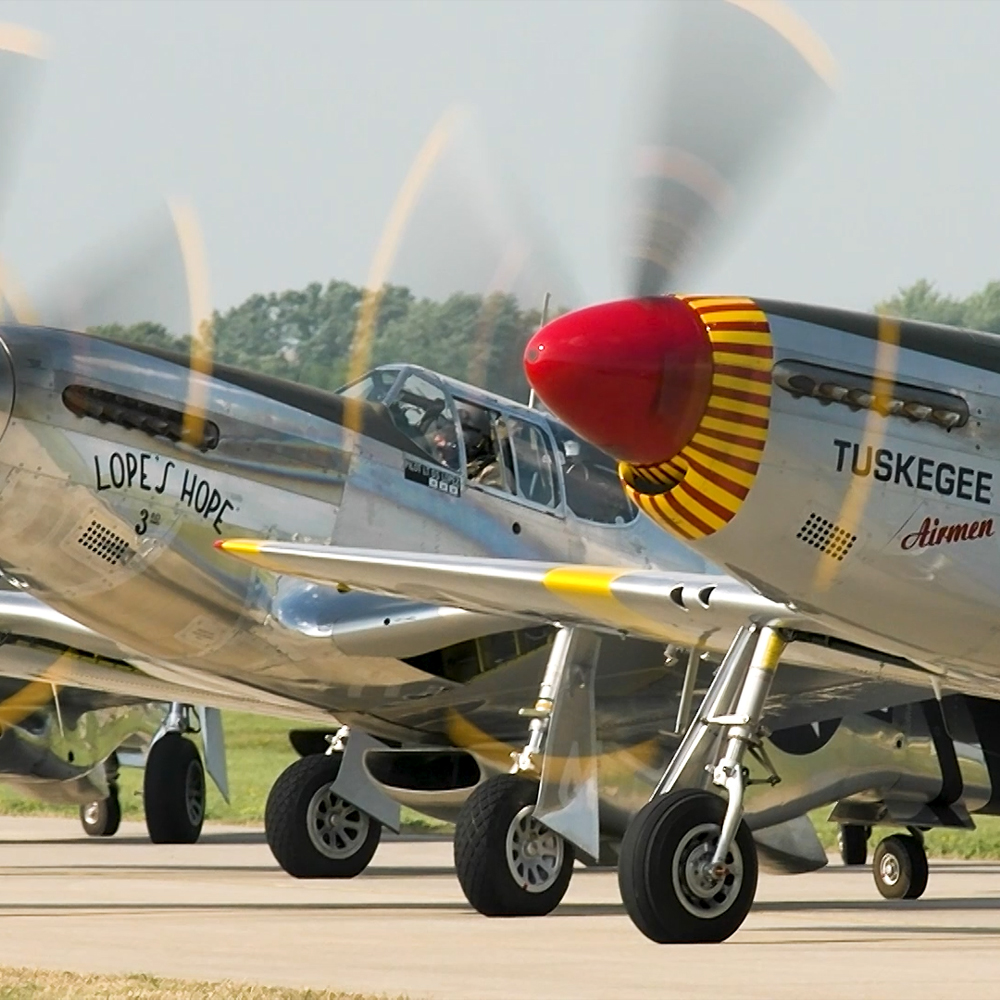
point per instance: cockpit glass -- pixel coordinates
(423, 412)
(593, 490)
(488, 457)
(374, 386)
(536, 479)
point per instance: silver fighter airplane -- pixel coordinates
(843, 467)
(119, 466)
(107, 516)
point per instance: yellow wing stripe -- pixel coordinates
(587, 589)
(729, 442)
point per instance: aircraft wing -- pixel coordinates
(687, 609)
(648, 604)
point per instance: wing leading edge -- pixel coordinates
(683, 608)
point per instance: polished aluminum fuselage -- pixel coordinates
(114, 526)
(922, 576)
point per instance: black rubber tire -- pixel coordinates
(102, 819)
(285, 823)
(645, 875)
(904, 853)
(171, 764)
(853, 843)
(481, 851)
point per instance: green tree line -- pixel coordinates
(308, 335)
(921, 300)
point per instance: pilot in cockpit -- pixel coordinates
(482, 465)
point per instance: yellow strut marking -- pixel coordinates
(770, 646)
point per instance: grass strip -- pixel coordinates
(257, 750)
(37, 984)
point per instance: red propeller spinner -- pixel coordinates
(632, 377)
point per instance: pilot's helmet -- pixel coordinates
(475, 429)
(473, 419)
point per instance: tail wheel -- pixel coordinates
(664, 872)
(102, 819)
(900, 867)
(508, 863)
(312, 831)
(173, 790)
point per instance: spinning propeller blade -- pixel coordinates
(22, 54)
(718, 103)
(459, 227)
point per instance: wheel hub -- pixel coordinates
(337, 828)
(706, 890)
(888, 869)
(534, 852)
(92, 813)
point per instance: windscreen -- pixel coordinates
(593, 490)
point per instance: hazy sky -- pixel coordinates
(291, 126)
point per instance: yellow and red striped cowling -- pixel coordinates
(699, 490)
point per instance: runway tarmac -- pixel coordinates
(222, 909)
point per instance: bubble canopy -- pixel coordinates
(523, 455)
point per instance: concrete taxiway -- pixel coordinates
(221, 909)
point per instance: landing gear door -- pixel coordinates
(568, 794)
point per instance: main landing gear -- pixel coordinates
(174, 792)
(509, 864)
(688, 865)
(852, 841)
(312, 831)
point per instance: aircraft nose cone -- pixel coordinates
(632, 377)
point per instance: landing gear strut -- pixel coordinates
(509, 864)
(688, 865)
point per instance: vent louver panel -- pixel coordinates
(104, 542)
(826, 536)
